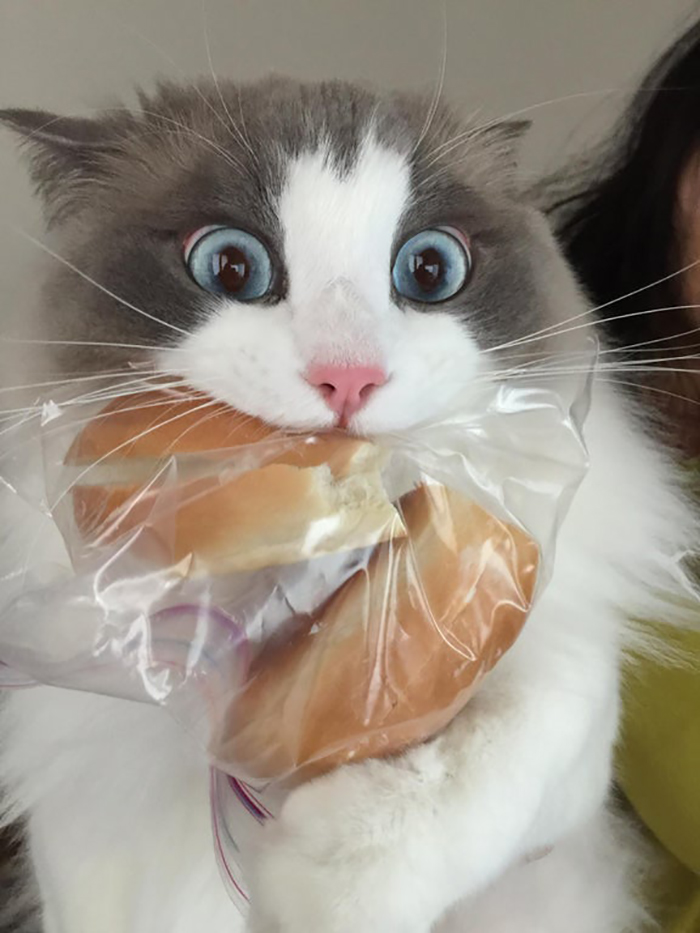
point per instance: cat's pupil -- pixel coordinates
(427, 268)
(232, 268)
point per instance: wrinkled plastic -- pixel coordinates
(328, 642)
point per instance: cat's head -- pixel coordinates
(310, 253)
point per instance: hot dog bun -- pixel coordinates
(395, 654)
(170, 462)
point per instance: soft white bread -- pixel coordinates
(223, 491)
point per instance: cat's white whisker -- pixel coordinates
(89, 343)
(118, 387)
(555, 329)
(633, 351)
(652, 345)
(75, 423)
(468, 135)
(560, 329)
(65, 380)
(16, 419)
(91, 281)
(638, 291)
(5, 412)
(158, 423)
(686, 399)
(647, 360)
(180, 127)
(435, 101)
(233, 127)
(147, 40)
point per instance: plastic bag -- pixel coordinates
(297, 602)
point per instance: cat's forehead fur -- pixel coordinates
(125, 189)
(232, 144)
(280, 117)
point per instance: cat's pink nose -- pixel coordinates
(346, 389)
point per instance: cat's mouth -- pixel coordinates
(343, 425)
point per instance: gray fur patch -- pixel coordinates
(124, 190)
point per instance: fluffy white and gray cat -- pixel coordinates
(315, 254)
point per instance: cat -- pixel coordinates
(249, 239)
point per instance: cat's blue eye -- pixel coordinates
(228, 261)
(432, 266)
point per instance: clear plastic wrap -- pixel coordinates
(297, 602)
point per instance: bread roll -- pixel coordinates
(221, 491)
(395, 654)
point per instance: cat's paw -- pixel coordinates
(353, 851)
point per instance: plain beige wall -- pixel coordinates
(571, 62)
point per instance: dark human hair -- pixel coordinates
(618, 228)
(617, 222)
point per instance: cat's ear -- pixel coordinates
(65, 155)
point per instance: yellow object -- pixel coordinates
(659, 771)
